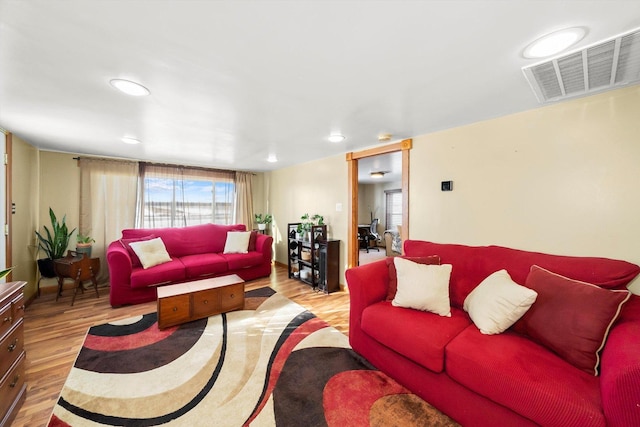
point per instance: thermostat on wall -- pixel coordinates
(446, 185)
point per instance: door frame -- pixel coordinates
(405, 147)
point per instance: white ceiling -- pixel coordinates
(234, 81)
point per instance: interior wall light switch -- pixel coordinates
(446, 185)
(338, 207)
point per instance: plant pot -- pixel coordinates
(262, 226)
(83, 248)
(46, 268)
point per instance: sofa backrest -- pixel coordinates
(472, 264)
(190, 240)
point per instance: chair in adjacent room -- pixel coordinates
(366, 236)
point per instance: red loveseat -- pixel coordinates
(506, 379)
(196, 253)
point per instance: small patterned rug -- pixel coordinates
(272, 364)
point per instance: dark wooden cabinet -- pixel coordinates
(12, 359)
(314, 259)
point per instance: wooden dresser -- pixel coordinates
(12, 357)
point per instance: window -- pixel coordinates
(393, 202)
(179, 196)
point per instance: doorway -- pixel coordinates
(352, 159)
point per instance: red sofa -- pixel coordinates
(498, 380)
(196, 253)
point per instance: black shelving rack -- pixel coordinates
(312, 258)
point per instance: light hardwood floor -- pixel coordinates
(54, 332)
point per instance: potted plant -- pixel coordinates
(263, 221)
(307, 222)
(83, 244)
(54, 243)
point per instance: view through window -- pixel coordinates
(393, 216)
(178, 202)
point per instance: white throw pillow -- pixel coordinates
(151, 252)
(423, 287)
(237, 242)
(498, 302)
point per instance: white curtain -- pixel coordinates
(244, 199)
(107, 203)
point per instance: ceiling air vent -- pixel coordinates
(599, 67)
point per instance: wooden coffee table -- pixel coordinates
(189, 301)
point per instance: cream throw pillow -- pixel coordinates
(498, 302)
(151, 252)
(237, 242)
(423, 287)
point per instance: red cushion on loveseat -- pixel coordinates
(525, 377)
(579, 333)
(418, 335)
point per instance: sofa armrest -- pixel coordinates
(120, 265)
(367, 285)
(264, 244)
(620, 372)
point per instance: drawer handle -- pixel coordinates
(175, 308)
(21, 307)
(232, 296)
(13, 345)
(205, 301)
(7, 319)
(15, 381)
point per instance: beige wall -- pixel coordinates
(24, 189)
(314, 188)
(561, 179)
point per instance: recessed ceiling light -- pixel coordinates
(336, 137)
(554, 43)
(272, 158)
(129, 87)
(129, 140)
(377, 175)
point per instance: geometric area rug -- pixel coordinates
(272, 364)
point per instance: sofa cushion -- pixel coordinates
(471, 264)
(497, 367)
(172, 271)
(393, 275)
(423, 287)
(237, 242)
(150, 252)
(240, 261)
(498, 302)
(204, 264)
(418, 335)
(252, 241)
(581, 312)
(126, 243)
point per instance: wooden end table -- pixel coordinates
(79, 269)
(189, 301)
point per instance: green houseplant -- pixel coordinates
(54, 243)
(84, 244)
(309, 221)
(263, 220)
